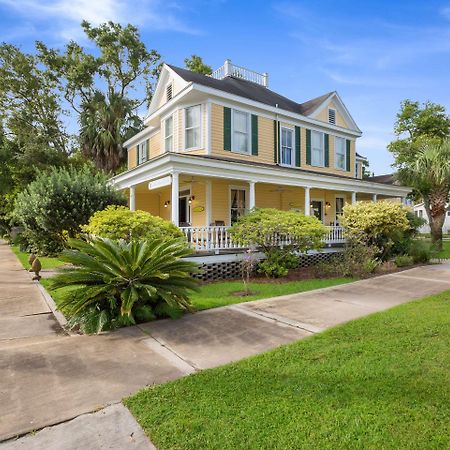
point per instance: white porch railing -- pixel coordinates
(215, 238)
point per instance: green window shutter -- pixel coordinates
(327, 149)
(347, 159)
(308, 147)
(227, 128)
(297, 147)
(146, 150)
(275, 141)
(254, 135)
(137, 155)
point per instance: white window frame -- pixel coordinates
(322, 164)
(344, 147)
(321, 200)
(166, 137)
(142, 151)
(199, 126)
(292, 131)
(358, 169)
(240, 188)
(249, 132)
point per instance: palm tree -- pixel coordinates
(115, 283)
(431, 177)
(105, 123)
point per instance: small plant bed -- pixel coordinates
(225, 293)
(377, 382)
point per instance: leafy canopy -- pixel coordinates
(59, 202)
(118, 222)
(195, 64)
(115, 283)
(265, 227)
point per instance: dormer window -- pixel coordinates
(169, 92)
(332, 116)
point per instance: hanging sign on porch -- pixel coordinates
(198, 209)
(161, 182)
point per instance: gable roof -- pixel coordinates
(253, 91)
(385, 179)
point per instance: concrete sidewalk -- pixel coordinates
(48, 377)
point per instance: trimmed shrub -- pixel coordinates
(267, 228)
(404, 261)
(421, 251)
(357, 260)
(57, 203)
(101, 292)
(379, 224)
(118, 222)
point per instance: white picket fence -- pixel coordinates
(216, 238)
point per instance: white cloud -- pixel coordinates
(66, 15)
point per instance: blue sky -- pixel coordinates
(374, 53)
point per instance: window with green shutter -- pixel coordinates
(297, 147)
(327, 150)
(348, 156)
(227, 128)
(308, 147)
(276, 141)
(254, 135)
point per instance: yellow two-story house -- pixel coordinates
(217, 146)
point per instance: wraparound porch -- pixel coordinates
(204, 196)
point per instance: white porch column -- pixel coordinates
(132, 198)
(175, 198)
(353, 198)
(208, 198)
(307, 201)
(252, 195)
(374, 198)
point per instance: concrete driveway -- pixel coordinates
(48, 377)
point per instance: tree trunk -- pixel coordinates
(437, 201)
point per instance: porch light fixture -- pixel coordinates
(328, 204)
(166, 203)
(191, 199)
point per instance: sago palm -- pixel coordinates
(431, 175)
(115, 283)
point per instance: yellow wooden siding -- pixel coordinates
(265, 138)
(323, 116)
(155, 145)
(132, 157)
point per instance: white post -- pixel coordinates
(374, 198)
(265, 77)
(227, 68)
(175, 198)
(132, 198)
(208, 197)
(252, 195)
(307, 201)
(353, 198)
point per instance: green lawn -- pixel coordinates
(445, 252)
(381, 382)
(221, 293)
(47, 262)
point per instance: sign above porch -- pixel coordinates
(161, 182)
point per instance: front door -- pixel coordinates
(184, 208)
(317, 209)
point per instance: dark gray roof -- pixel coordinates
(385, 179)
(360, 156)
(252, 91)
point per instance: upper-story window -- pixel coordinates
(332, 116)
(317, 148)
(287, 147)
(241, 131)
(192, 127)
(340, 153)
(358, 169)
(168, 134)
(142, 152)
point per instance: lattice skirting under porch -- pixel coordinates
(228, 270)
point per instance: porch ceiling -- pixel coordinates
(203, 166)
